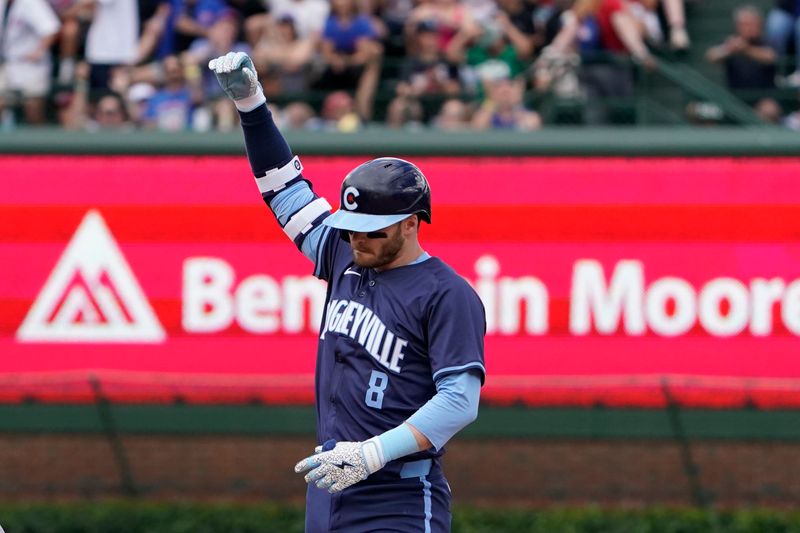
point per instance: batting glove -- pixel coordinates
(345, 464)
(238, 78)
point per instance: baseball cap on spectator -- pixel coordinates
(208, 12)
(139, 92)
(493, 70)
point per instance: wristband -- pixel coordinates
(248, 103)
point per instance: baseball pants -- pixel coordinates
(408, 499)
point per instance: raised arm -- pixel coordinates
(278, 173)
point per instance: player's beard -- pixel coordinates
(387, 252)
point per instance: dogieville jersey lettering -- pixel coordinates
(362, 325)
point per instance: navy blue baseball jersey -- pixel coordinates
(400, 345)
(386, 337)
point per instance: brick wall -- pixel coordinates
(538, 472)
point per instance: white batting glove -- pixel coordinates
(344, 465)
(238, 78)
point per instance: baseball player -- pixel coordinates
(400, 352)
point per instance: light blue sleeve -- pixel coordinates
(398, 442)
(453, 407)
(290, 201)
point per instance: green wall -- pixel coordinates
(493, 422)
(557, 141)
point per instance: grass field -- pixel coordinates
(143, 517)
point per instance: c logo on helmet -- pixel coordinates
(349, 198)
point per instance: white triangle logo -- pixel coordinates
(91, 295)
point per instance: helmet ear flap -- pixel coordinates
(344, 235)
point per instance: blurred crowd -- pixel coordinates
(340, 64)
(757, 58)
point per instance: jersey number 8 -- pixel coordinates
(378, 381)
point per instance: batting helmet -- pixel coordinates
(379, 193)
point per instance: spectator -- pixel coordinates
(609, 82)
(352, 55)
(620, 33)
(394, 14)
(769, 111)
(157, 36)
(309, 16)
(338, 113)
(71, 13)
(426, 71)
(112, 40)
(369, 8)
(254, 15)
(298, 116)
(76, 112)
(516, 19)
(452, 19)
(425, 74)
(454, 116)
(749, 61)
(284, 58)
(195, 18)
(109, 114)
(593, 27)
(783, 28)
(578, 30)
(176, 23)
(647, 13)
(28, 28)
(503, 107)
(404, 111)
(171, 107)
(508, 37)
(137, 98)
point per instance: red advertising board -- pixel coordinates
(605, 280)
